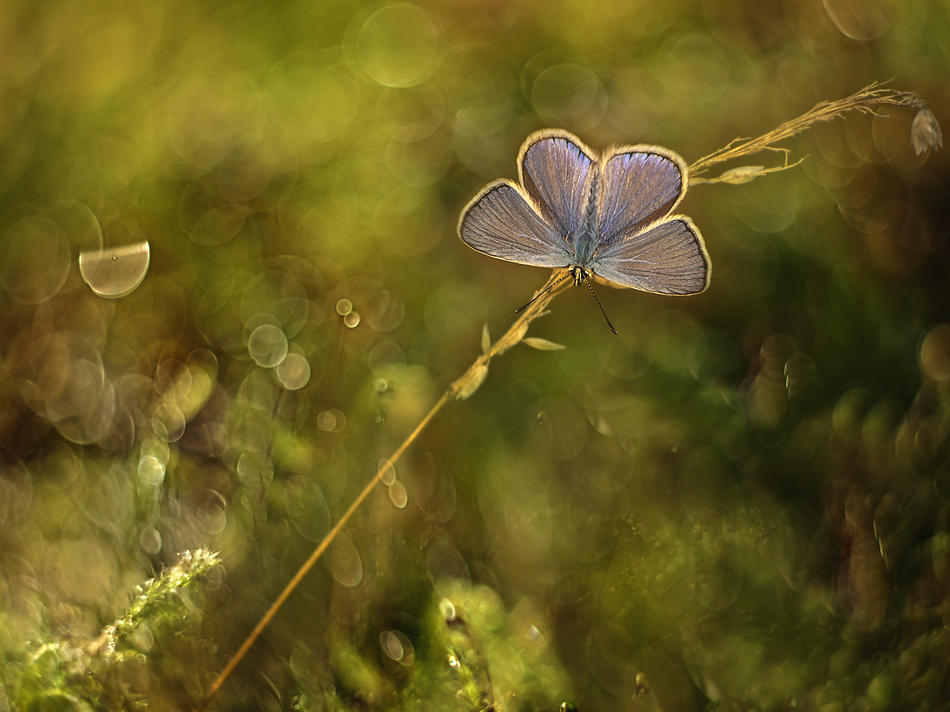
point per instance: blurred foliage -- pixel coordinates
(106, 673)
(743, 498)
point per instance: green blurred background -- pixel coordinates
(743, 496)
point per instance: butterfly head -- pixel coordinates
(579, 274)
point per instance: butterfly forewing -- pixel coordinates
(555, 170)
(669, 257)
(500, 222)
(640, 184)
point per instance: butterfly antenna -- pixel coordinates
(591, 286)
(541, 293)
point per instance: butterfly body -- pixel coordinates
(589, 213)
(584, 241)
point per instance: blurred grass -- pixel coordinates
(743, 496)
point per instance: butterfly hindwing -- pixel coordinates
(500, 221)
(667, 257)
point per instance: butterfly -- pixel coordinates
(606, 214)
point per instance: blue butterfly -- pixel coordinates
(587, 213)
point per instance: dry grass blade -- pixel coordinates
(459, 390)
(925, 134)
(866, 101)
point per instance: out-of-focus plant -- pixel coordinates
(58, 674)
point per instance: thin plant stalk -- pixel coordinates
(925, 135)
(459, 390)
(925, 132)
